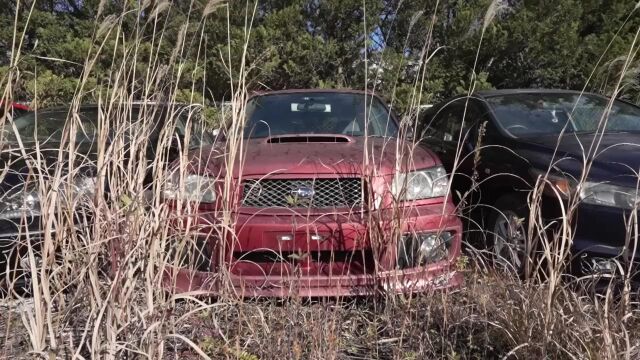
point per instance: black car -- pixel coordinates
(499, 144)
(34, 144)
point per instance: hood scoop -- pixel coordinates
(308, 139)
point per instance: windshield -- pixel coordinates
(49, 125)
(318, 113)
(525, 115)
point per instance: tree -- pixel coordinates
(410, 51)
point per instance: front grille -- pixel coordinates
(361, 257)
(356, 261)
(303, 193)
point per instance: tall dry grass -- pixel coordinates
(96, 278)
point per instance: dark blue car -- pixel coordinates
(575, 156)
(41, 136)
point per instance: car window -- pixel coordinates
(318, 113)
(49, 125)
(184, 117)
(532, 114)
(476, 115)
(447, 122)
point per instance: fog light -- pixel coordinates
(432, 248)
(597, 265)
(419, 249)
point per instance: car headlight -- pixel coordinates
(85, 185)
(609, 195)
(421, 184)
(15, 204)
(25, 200)
(195, 188)
(560, 184)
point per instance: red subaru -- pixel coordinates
(316, 195)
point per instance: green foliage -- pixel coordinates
(415, 51)
(50, 89)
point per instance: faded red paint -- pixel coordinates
(18, 106)
(343, 231)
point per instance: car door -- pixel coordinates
(499, 168)
(452, 135)
(439, 133)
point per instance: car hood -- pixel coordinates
(350, 155)
(615, 158)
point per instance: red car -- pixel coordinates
(322, 199)
(17, 109)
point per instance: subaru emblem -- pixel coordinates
(303, 192)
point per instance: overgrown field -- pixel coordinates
(490, 317)
(97, 278)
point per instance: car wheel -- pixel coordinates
(24, 276)
(507, 228)
(16, 277)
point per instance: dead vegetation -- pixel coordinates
(83, 307)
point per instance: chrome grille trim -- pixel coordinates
(293, 193)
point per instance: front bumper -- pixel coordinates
(604, 238)
(605, 232)
(182, 280)
(312, 277)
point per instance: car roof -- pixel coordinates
(503, 92)
(136, 105)
(319, 90)
(485, 94)
(311, 90)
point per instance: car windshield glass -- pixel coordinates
(49, 125)
(318, 113)
(526, 115)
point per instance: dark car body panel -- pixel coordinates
(54, 157)
(509, 165)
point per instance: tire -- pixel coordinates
(507, 241)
